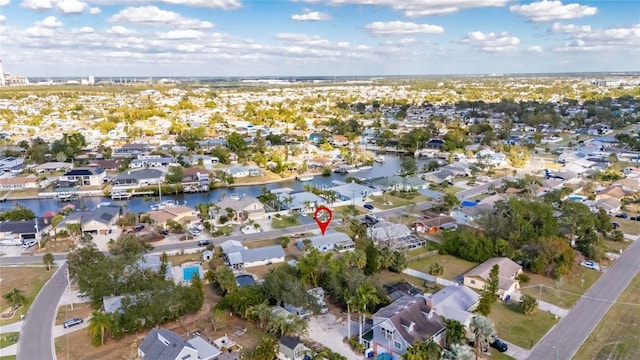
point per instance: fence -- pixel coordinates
(423, 276)
(424, 255)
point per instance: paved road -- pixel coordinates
(564, 340)
(38, 324)
(480, 189)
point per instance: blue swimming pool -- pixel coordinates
(576, 198)
(187, 273)
(245, 280)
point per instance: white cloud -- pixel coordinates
(535, 48)
(311, 16)
(153, 16)
(552, 10)
(39, 32)
(37, 4)
(83, 30)
(213, 4)
(4, 2)
(182, 34)
(613, 39)
(94, 11)
(71, 6)
(120, 30)
(49, 22)
(569, 28)
(2, 18)
(491, 42)
(418, 8)
(379, 28)
(302, 39)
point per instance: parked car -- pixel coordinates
(622, 215)
(499, 345)
(368, 206)
(590, 264)
(615, 225)
(139, 227)
(635, 218)
(29, 244)
(72, 322)
(204, 242)
(164, 232)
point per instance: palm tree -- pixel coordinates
(266, 349)
(483, 330)
(15, 297)
(48, 260)
(455, 332)
(74, 229)
(423, 350)
(260, 313)
(99, 324)
(365, 295)
(294, 325)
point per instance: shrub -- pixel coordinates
(528, 304)
(355, 345)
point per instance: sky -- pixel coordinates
(316, 37)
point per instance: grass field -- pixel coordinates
(382, 202)
(565, 292)
(517, 328)
(28, 279)
(82, 310)
(628, 226)
(7, 339)
(453, 267)
(176, 260)
(617, 336)
(284, 222)
(8, 357)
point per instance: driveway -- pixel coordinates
(330, 331)
(564, 339)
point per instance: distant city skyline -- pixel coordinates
(172, 38)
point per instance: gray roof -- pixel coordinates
(412, 311)
(236, 204)
(257, 254)
(231, 246)
(153, 263)
(103, 214)
(454, 302)
(22, 227)
(206, 351)
(112, 304)
(352, 190)
(139, 174)
(300, 198)
(154, 348)
(330, 239)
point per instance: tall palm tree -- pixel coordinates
(266, 349)
(294, 325)
(15, 297)
(99, 324)
(260, 313)
(423, 350)
(483, 330)
(366, 295)
(455, 332)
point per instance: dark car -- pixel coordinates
(635, 218)
(204, 242)
(368, 206)
(615, 225)
(139, 227)
(499, 345)
(622, 215)
(164, 232)
(72, 322)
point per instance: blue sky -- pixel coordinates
(316, 37)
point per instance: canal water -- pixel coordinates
(140, 204)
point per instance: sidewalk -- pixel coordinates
(516, 352)
(11, 349)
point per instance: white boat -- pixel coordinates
(379, 159)
(354, 170)
(305, 178)
(366, 167)
(163, 205)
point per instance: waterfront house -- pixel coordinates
(302, 202)
(19, 183)
(398, 183)
(439, 176)
(331, 240)
(96, 221)
(237, 171)
(195, 178)
(508, 283)
(23, 230)
(138, 178)
(399, 325)
(147, 161)
(237, 209)
(352, 191)
(180, 214)
(85, 176)
(11, 165)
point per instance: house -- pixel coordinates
(399, 183)
(154, 263)
(107, 164)
(316, 137)
(196, 178)
(455, 302)
(19, 183)
(508, 283)
(147, 161)
(491, 158)
(302, 202)
(23, 230)
(339, 140)
(291, 348)
(237, 171)
(352, 191)
(202, 160)
(440, 176)
(212, 143)
(395, 236)
(398, 326)
(331, 240)
(434, 223)
(138, 178)
(163, 344)
(468, 214)
(437, 144)
(11, 165)
(100, 220)
(610, 205)
(239, 209)
(131, 150)
(180, 214)
(53, 167)
(85, 176)
(238, 256)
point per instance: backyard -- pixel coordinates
(515, 327)
(385, 202)
(453, 266)
(27, 279)
(616, 336)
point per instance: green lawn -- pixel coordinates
(387, 277)
(28, 279)
(453, 266)
(517, 328)
(379, 201)
(496, 355)
(8, 357)
(284, 222)
(7, 339)
(617, 335)
(180, 259)
(565, 292)
(628, 226)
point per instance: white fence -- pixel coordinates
(423, 276)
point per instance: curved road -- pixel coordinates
(564, 340)
(38, 324)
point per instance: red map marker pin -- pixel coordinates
(323, 217)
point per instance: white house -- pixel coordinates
(331, 240)
(239, 256)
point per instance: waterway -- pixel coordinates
(141, 204)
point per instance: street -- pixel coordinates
(36, 340)
(564, 339)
